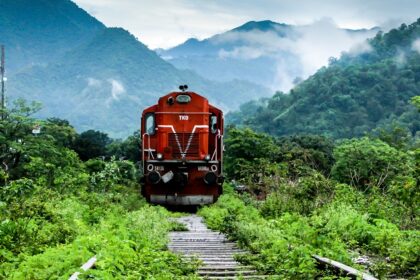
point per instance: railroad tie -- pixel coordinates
(211, 247)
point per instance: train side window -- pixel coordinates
(213, 124)
(150, 123)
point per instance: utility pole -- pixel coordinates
(2, 82)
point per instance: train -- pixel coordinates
(182, 150)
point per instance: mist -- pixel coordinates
(416, 45)
(312, 44)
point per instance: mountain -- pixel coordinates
(37, 32)
(265, 52)
(93, 76)
(352, 96)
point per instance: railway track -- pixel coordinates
(211, 247)
(217, 254)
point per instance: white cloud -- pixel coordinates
(322, 40)
(400, 58)
(416, 45)
(360, 48)
(92, 82)
(165, 23)
(113, 87)
(117, 89)
(313, 45)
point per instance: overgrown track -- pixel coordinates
(212, 248)
(217, 254)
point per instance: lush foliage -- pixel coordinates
(56, 211)
(304, 195)
(351, 96)
(367, 163)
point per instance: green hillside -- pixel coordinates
(352, 96)
(93, 76)
(37, 32)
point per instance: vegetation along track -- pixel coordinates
(211, 247)
(217, 254)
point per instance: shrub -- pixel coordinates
(366, 163)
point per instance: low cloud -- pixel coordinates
(242, 53)
(360, 48)
(112, 89)
(117, 89)
(416, 45)
(400, 58)
(92, 82)
(312, 44)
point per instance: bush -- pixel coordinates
(282, 243)
(303, 196)
(366, 163)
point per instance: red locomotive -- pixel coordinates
(182, 150)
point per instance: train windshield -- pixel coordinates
(150, 123)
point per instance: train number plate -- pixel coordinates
(159, 168)
(203, 168)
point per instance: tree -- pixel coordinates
(15, 132)
(313, 151)
(416, 101)
(91, 144)
(245, 147)
(129, 149)
(63, 133)
(366, 163)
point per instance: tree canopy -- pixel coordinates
(353, 95)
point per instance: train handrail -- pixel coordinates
(221, 153)
(218, 135)
(150, 154)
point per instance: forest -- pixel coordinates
(332, 168)
(352, 96)
(60, 205)
(67, 196)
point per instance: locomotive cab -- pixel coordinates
(182, 150)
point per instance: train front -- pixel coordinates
(182, 149)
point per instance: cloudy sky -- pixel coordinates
(165, 23)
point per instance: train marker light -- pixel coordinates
(171, 100)
(167, 176)
(159, 156)
(207, 157)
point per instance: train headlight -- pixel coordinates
(207, 157)
(154, 177)
(159, 156)
(210, 178)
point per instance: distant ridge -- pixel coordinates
(260, 52)
(95, 77)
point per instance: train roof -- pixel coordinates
(194, 96)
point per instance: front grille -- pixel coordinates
(184, 143)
